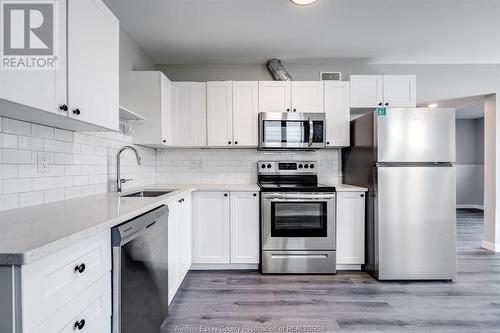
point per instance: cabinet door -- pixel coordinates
(307, 96)
(400, 91)
(40, 89)
(189, 114)
(337, 113)
(245, 113)
(351, 228)
(244, 228)
(211, 228)
(93, 87)
(274, 96)
(174, 260)
(366, 90)
(220, 113)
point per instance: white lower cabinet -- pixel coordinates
(54, 293)
(244, 228)
(226, 227)
(350, 230)
(211, 238)
(179, 243)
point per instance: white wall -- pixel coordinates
(434, 82)
(470, 162)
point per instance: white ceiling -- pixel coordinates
(370, 31)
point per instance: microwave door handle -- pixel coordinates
(311, 131)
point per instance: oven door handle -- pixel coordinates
(301, 198)
(311, 132)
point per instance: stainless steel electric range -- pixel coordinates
(297, 219)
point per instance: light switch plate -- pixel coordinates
(43, 162)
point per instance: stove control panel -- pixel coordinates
(287, 167)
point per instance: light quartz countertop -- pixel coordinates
(30, 233)
(349, 188)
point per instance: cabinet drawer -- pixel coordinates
(91, 310)
(51, 282)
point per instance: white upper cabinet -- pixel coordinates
(151, 98)
(400, 90)
(307, 96)
(367, 90)
(275, 96)
(189, 114)
(41, 89)
(245, 113)
(82, 92)
(337, 113)
(220, 113)
(350, 228)
(211, 219)
(245, 228)
(383, 90)
(93, 61)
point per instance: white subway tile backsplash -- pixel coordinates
(16, 127)
(16, 185)
(63, 135)
(30, 143)
(53, 195)
(54, 146)
(43, 132)
(8, 140)
(31, 198)
(16, 156)
(8, 171)
(9, 201)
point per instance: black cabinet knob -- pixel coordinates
(76, 111)
(287, 110)
(380, 104)
(328, 142)
(63, 107)
(294, 110)
(386, 104)
(225, 194)
(255, 194)
(80, 268)
(235, 142)
(229, 142)
(164, 141)
(180, 200)
(362, 195)
(80, 324)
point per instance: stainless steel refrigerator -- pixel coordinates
(405, 157)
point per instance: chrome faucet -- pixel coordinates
(120, 181)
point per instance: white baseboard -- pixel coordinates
(343, 267)
(208, 267)
(470, 207)
(490, 246)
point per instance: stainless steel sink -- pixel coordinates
(146, 194)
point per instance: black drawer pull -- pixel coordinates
(80, 324)
(80, 269)
(362, 195)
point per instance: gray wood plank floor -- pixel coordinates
(232, 301)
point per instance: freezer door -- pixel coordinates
(415, 135)
(416, 223)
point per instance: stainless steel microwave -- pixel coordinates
(291, 130)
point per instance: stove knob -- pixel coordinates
(306, 166)
(263, 166)
(311, 166)
(269, 166)
(300, 166)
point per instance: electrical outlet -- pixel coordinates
(43, 162)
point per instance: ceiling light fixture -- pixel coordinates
(303, 2)
(432, 105)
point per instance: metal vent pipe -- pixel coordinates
(278, 70)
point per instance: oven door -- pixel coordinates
(291, 130)
(298, 221)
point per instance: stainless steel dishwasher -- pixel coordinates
(140, 273)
